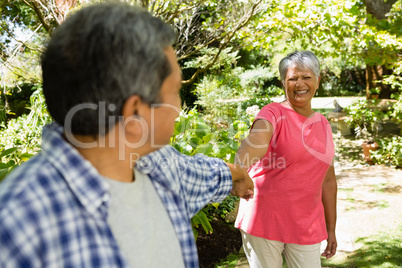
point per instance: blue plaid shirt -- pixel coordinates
(53, 209)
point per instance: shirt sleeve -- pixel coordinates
(205, 180)
(270, 113)
(198, 180)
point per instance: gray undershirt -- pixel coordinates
(141, 225)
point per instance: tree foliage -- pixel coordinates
(200, 24)
(342, 33)
(203, 25)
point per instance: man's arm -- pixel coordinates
(329, 192)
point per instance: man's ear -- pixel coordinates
(131, 106)
(133, 111)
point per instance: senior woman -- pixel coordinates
(289, 154)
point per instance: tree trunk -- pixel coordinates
(374, 78)
(374, 74)
(379, 8)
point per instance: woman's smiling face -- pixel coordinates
(300, 86)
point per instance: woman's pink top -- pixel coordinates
(288, 180)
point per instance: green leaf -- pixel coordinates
(4, 166)
(26, 156)
(201, 129)
(11, 163)
(181, 125)
(221, 149)
(195, 221)
(233, 145)
(216, 205)
(195, 232)
(242, 126)
(203, 149)
(8, 151)
(178, 147)
(202, 217)
(240, 135)
(194, 141)
(207, 138)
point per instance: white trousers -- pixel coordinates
(264, 253)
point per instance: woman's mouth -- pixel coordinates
(301, 92)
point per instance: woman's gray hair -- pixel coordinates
(104, 54)
(302, 60)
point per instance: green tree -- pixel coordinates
(384, 51)
(343, 33)
(200, 25)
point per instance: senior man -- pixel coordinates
(106, 190)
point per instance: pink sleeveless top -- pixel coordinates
(288, 180)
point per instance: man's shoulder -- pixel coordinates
(29, 186)
(159, 158)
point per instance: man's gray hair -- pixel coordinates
(302, 60)
(104, 53)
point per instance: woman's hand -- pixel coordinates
(243, 186)
(330, 250)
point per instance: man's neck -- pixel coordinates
(110, 160)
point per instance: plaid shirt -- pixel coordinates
(53, 209)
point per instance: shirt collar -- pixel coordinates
(83, 179)
(162, 166)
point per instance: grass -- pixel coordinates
(381, 250)
(378, 187)
(230, 261)
(362, 204)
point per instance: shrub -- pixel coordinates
(229, 93)
(396, 110)
(15, 100)
(192, 136)
(390, 152)
(363, 116)
(21, 138)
